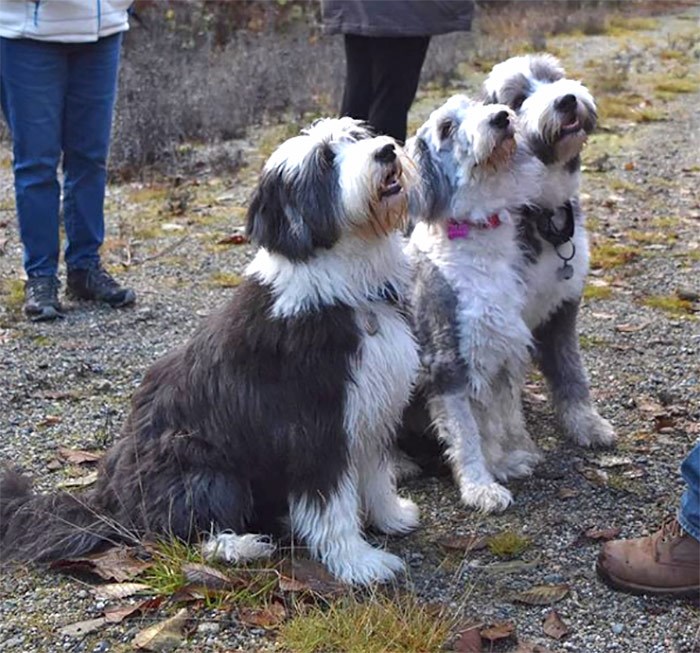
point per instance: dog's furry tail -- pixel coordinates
(43, 528)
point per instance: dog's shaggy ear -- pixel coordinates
(427, 200)
(294, 212)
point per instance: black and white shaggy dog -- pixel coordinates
(281, 408)
(467, 298)
(556, 116)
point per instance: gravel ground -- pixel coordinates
(68, 384)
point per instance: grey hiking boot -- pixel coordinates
(97, 284)
(41, 299)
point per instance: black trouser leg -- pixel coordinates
(382, 76)
(358, 93)
(396, 66)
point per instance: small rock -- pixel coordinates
(82, 594)
(13, 641)
(617, 628)
(101, 647)
(208, 628)
(689, 294)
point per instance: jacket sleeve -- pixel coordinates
(396, 17)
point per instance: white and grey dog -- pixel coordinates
(556, 116)
(280, 410)
(467, 299)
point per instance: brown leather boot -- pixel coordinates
(667, 562)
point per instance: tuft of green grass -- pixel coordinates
(508, 544)
(397, 624)
(621, 25)
(676, 85)
(627, 106)
(669, 303)
(166, 576)
(591, 292)
(607, 255)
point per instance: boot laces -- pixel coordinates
(671, 530)
(43, 290)
(104, 279)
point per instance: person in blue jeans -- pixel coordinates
(668, 561)
(59, 61)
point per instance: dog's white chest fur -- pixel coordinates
(482, 271)
(382, 373)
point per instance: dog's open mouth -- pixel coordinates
(391, 184)
(571, 127)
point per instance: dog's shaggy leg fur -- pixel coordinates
(560, 360)
(331, 529)
(383, 508)
(520, 454)
(458, 428)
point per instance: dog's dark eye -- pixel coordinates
(518, 101)
(327, 154)
(445, 129)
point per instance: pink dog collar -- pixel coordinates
(461, 228)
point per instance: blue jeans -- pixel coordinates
(689, 512)
(58, 100)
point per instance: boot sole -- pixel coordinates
(128, 300)
(634, 588)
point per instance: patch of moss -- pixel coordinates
(676, 85)
(669, 303)
(666, 223)
(621, 185)
(651, 237)
(508, 544)
(226, 279)
(591, 342)
(397, 624)
(42, 341)
(628, 107)
(12, 294)
(621, 25)
(608, 255)
(591, 292)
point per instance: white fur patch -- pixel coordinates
(231, 547)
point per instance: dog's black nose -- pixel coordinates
(386, 154)
(566, 103)
(501, 120)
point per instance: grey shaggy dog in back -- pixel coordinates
(556, 115)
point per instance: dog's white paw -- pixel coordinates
(587, 428)
(518, 463)
(399, 517)
(231, 547)
(491, 497)
(363, 565)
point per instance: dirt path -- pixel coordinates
(69, 384)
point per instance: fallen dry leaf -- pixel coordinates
(78, 456)
(54, 464)
(542, 594)
(50, 420)
(81, 628)
(464, 543)
(79, 481)
(114, 591)
(163, 636)
(206, 576)
(501, 630)
(117, 563)
(468, 640)
(233, 239)
(117, 614)
(302, 575)
(663, 421)
(567, 493)
(268, 617)
(632, 328)
(602, 533)
(554, 626)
